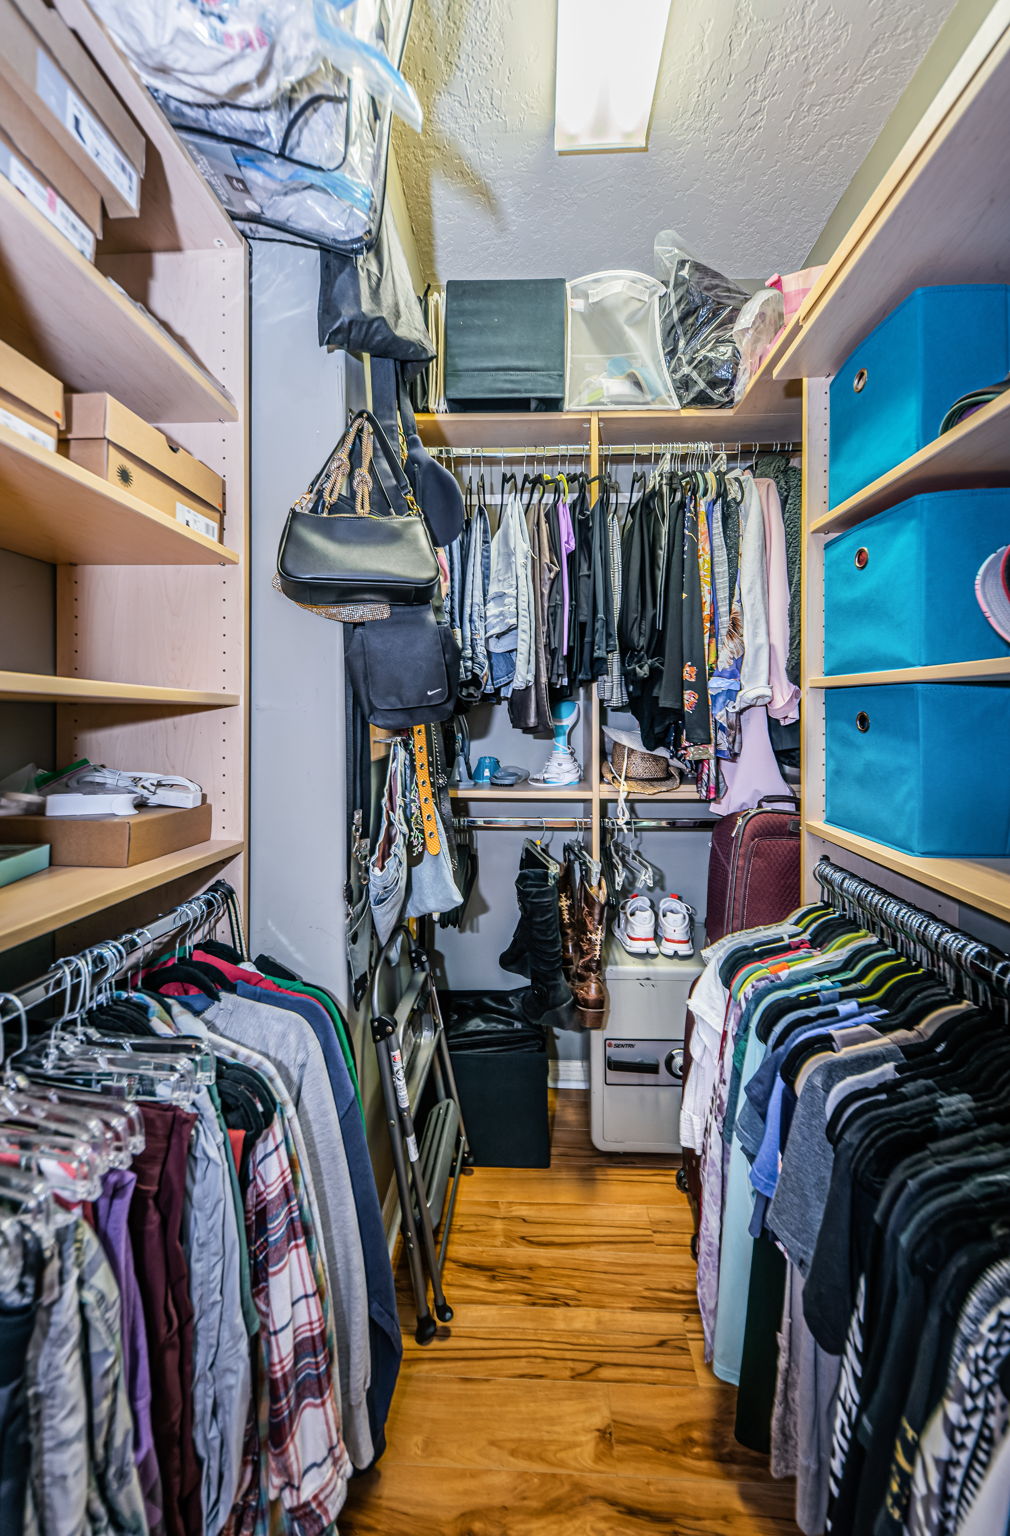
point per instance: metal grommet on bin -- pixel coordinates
(862, 721)
(859, 382)
(862, 558)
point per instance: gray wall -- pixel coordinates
(297, 832)
(297, 719)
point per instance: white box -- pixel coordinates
(636, 1059)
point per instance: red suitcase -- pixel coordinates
(754, 868)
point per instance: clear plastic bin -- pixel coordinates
(614, 357)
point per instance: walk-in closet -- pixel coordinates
(504, 804)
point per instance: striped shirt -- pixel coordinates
(306, 1463)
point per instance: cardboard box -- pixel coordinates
(54, 75)
(113, 842)
(31, 400)
(111, 441)
(33, 143)
(17, 862)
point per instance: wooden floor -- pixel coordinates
(570, 1397)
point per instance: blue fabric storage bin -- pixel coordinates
(899, 590)
(889, 755)
(890, 396)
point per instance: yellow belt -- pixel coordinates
(422, 771)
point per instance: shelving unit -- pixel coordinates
(151, 654)
(980, 883)
(527, 793)
(62, 895)
(770, 413)
(71, 320)
(995, 671)
(939, 217)
(52, 509)
(974, 453)
(32, 687)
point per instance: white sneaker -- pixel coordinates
(676, 928)
(635, 926)
(562, 767)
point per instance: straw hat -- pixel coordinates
(640, 772)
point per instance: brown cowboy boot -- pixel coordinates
(566, 912)
(587, 976)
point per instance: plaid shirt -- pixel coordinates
(306, 1466)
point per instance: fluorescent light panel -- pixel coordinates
(607, 67)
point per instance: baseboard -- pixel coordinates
(569, 1074)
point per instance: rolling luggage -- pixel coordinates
(754, 868)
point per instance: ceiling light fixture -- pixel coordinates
(607, 67)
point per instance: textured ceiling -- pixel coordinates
(763, 112)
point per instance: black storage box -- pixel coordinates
(501, 1074)
(505, 345)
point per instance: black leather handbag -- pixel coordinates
(404, 670)
(337, 552)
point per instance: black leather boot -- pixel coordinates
(516, 957)
(548, 999)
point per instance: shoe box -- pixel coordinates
(103, 436)
(42, 171)
(31, 400)
(113, 842)
(55, 77)
(636, 1059)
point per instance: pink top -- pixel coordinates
(784, 704)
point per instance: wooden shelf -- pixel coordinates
(56, 897)
(526, 792)
(996, 670)
(686, 792)
(980, 883)
(33, 687)
(60, 310)
(939, 216)
(975, 453)
(769, 413)
(504, 429)
(54, 510)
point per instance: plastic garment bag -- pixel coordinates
(757, 326)
(248, 52)
(293, 135)
(698, 311)
(615, 350)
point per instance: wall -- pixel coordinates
(951, 40)
(299, 398)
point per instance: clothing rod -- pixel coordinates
(581, 823)
(521, 823)
(606, 450)
(543, 451)
(123, 955)
(924, 931)
(658, 824)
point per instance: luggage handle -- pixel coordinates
(779, 800)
